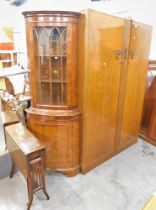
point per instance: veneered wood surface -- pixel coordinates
(149, 103)
(17, 155)
(21, 145)
(148, 123)
(111, 94)
(103, 35)
(140, 38)
(61, 137)
(25, 140)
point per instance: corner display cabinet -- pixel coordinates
(53, 62)
(92, 62)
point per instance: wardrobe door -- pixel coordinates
(137, 65)
(101, 79)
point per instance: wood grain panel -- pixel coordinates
(17, 155)
(101, 86)
(60, 134)
(140, 38)
(149, 102)
(22, 145)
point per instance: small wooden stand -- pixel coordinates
(29, 155)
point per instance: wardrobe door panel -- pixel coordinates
(139, 48)
(104, 39)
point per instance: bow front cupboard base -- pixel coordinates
(59, 130)
(89, 63)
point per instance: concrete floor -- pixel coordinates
(123, 183)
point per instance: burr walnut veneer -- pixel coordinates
(89, 63)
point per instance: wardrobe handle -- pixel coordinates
(118, 53)
(125, 53)
(132, 54)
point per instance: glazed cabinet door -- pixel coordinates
(137, 65)
(103, 45)
(53, 64)
(50, 61)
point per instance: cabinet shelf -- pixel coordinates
(47, 81)
(64, 55)
(59, 81)
(51, 55)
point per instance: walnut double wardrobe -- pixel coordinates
(88, 75)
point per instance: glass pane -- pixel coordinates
(63, 34)
(64, 51)
(64, 96)
(56, 94)
(64, 66)
(44, 66)
(43, 43)
(37, 30)
(41, 51)
(56, 68)
(55, 42)
(64, 47)
(38, 92)
(45, 93)
(56, 49)
(35, 36)
(55, 35)
(49, 30)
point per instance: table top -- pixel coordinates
(25, 140)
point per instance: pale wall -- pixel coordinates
(140, 10)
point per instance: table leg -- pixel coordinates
(12, 168)
(43, 166)
(30, 193)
